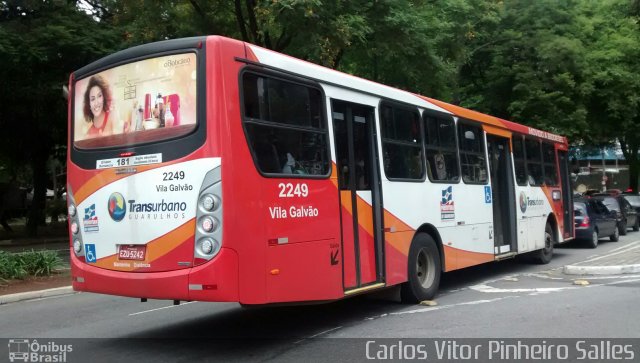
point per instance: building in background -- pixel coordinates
(598, 168)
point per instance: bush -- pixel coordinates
(18, 265)
(11, 266)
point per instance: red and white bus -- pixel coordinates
(211, 169)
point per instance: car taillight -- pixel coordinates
(585, 222)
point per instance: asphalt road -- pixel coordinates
(497, 300)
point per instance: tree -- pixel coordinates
(614, 57)
(42, 43)
(533, 73)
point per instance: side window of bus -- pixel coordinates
(401, 143)
(441, 148)
(519, 160)
(473, 161)
(285, 127)
(550, 166)
(534, 162)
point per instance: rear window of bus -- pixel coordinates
(145, 101)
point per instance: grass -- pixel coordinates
(30, 263)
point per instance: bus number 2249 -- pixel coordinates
(290, 190)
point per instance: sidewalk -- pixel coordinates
(623, 260)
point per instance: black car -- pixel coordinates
(633, 199)
(627, 216)
(593, 221)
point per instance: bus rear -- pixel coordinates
(144, 182)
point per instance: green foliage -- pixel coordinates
(42, 43)
(568, 66)
(38, 263)
(11, 266)
(33, 263)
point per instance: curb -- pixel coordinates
(601, 270)
(29, 295)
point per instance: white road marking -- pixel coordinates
(630, 244)
(162, 308)
(319, 334)
(376, 317)
(618, 282)
(441, 307)
(611, 277)
(491, 289)
(543, 276)
(617, 251)
(324, 332)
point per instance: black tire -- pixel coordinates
(615, 237)
(543, 256)
(593, 243)
(636, 226)
(424, 270)
(623, 228)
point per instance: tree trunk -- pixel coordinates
(37, 212)
(629, 146)
(633, 175)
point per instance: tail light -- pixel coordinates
(208, 238)
(585, 222)
(74, 224)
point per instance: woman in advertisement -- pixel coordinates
(97, 103)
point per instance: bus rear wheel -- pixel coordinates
(424, 270)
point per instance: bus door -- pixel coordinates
(502, 195)
(567, 197)
(360, 196)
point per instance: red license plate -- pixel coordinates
(132, 252)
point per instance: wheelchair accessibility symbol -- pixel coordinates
(90, 253)
(487, 194)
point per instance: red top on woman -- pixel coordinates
(97, 131)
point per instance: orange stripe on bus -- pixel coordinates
(365, 216)
(465, 113)
(345, 201)
(456, 258)
(156, 248)
(497, 131)
(399, 241)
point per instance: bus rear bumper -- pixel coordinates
(216, 280)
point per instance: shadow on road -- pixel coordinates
(244, 334)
